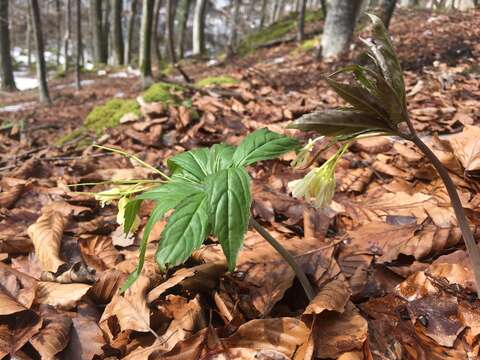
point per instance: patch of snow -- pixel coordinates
(17, 107)
(24, 80)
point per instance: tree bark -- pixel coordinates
(117, 33)
(58, 29)
(41, 67)
(130, 27)
(263, 15)
(199, 27)
(7, 81)
(232, 41)
(157, 33)
(79, 44)
(100, 56)
(385, 11)
(301, 20)
(339, 27)
(183, 23)
(171, 11)
(145, 57)
(66, 37)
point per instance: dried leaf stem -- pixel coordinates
(287, 256)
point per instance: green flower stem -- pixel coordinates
(472, 247)
(287, 256)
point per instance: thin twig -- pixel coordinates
(287, 256)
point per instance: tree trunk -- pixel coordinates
(58, 31)
(130, 28)
(339, 27)
(301, 20)
(183, 23)
(145, 57)
(324, 4)
(232, 41)
(106, 29)
(96, 24)
(157, 34)
(41, 68)
(7, 81)
(199, 27)
(263, 15)
(386, 9)
(66, 37)
(171, 11)
(79, 44)
(117, 33)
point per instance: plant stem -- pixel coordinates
(472, 247)
(287, 256)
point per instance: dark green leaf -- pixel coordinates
(131, 211)
(174, 191)
(220, 158)
(193, 163)
(261, 145)
(185, 231)
(230, 199)
(387, 60)
(338, 122)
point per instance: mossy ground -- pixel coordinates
(109, 114)
(307, 45)
(163, 92)
(276, 31)
(216, 80)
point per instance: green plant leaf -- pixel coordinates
(185, 231)
(193, 163)
(261, 145)
(220, 158)
(382, 50)
(167, 197)
(230, 200)
(339, 122)
(131, 211)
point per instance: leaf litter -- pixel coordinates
(391, 274)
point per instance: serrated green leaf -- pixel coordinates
(185, 231)
(387, 60)
(131, 211)
(339, 122)
(167, 197)
(193, 163)
(221, 157)
(230, 200)
(261, 145)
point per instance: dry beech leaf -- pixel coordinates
(466, 147)
(10, 196)
(46, 235)
(98, 252)
(54, 335)
(16, 331)
(107, 285)
(332, 297)
(62, 296)
(17, 290)
(86, 339)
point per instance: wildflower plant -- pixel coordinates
(208, 190)
(377, 106)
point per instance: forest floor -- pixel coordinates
(387, 260)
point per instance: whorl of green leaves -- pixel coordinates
(376, 96)
(209, 193)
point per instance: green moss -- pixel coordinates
(276, 31)
(163, 92)
(307, 45)
(216, 80)
(70, 136)
(109, 114)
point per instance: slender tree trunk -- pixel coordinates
(339, 27)
(66, 38)
(301, 20)
(146, 42)
(79, 44)
(386, 9)
(274, 13)
(130, 27)
(183, 23)
(96, 25)
(29, 36)
(7, 81)
(263, 15)
(41, 67)
(58, 28)
(157, 33)
(171, 11)
(199, 27)
(105, 30)
(232, 42)
(324, 4)
(117, 33)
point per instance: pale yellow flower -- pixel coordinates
(122, 203)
